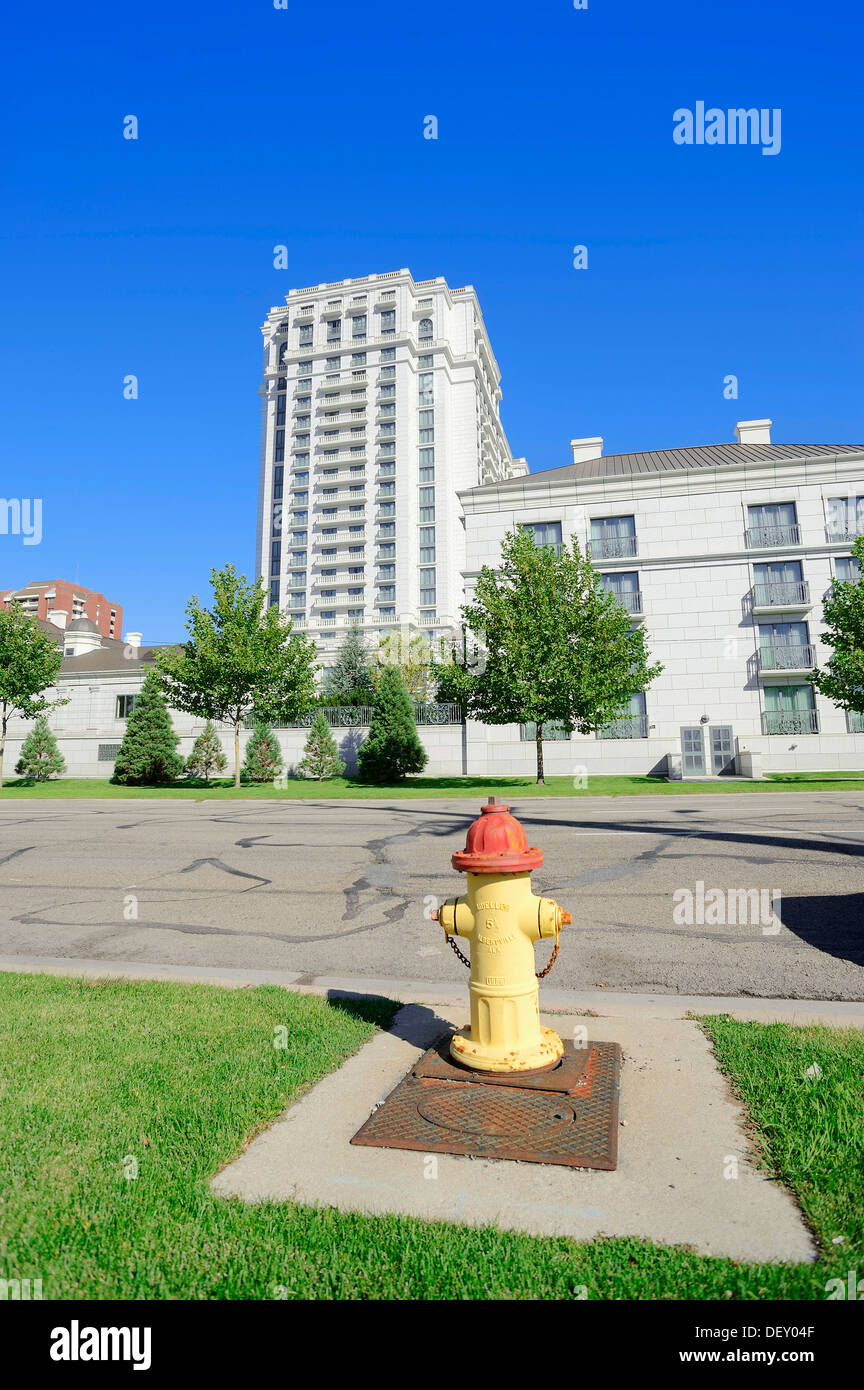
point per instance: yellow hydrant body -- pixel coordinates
(502, 919)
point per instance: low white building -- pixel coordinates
(725, 553)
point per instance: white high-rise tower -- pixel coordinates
(380, 403)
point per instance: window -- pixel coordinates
(778, 582)
(387, 447)
(280, 410)
(387, 392)
(296, 601)
(306, 335)
(300, 498)
(790, 709)
(388, 321)
(386, 572)
(784, 646)
(279, 447)
(387, 412)
(353, 530)
(427, 504)
(544, 532)
(328, 593)
(613, 537)
(297, 579)
(424, 382)
(328, 574)
(358, 359)
(625, 587)
(387, 430)
(425, 330)
(386, 489)
(274, 592)
(298, 557)
(303, 367)
(386, 550)
(359, 326)
(355, 592)
(387, 468)
(631, 723)
(388, 355)
(427, 456)
(126, 703)
(333, 364)
(299, 518)
(329, 552)
(386, 592)
(427, 474)
(387, 528)
(846, 567)
(107, 752)
(355, 613)
(298, 537)
(386, 612)
(278, 474)
(425, 360)
(427, 421)
(845, 518)
(334, 330)
(773, 523)
(387, 373)
(355, 571)
(387, 509)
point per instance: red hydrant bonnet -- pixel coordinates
(496, 843)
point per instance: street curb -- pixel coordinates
(601, 1003)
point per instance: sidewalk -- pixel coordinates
(602, 1003)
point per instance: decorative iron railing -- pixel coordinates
(360, 716)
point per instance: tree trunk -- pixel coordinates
(237, 752)
(2, 743)
(541, 780)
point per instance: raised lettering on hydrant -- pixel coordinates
(502, 919)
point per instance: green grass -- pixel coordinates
(180, 1077)
(347, 787)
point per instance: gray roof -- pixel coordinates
(692, 457)
(82, 625)
(109, 658)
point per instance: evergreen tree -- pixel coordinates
(263, 761)
(207, 755)
(40, 757)
(148, 754)
(320, 756)
(393, 748)
(350, 676)
(29, 665)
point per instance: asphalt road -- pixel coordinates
(341, 887)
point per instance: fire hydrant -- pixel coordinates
(502, 919)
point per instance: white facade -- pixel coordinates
(380, 404)
(728, 556)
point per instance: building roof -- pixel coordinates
(110, 657)
(82, 624)
(692, 458)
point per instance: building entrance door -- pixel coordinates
(692, 751)
(722, 757)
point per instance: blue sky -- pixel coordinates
(304, 126)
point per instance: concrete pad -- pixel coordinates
(681, 1134)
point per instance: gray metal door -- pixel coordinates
(721, 748)
(692, 751)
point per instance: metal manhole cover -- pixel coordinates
(492, 1112)
(578, 1130)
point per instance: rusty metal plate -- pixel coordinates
(512, 1122)
(568, 1075)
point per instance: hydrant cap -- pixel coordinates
(496, 844)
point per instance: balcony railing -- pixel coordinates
(787, 657)
(633, 726)
(802, 721)
(360, 716)
(854, 722)
(766, 537)
(843, 532)
(613, 548)
(788, 595)
(631, 599)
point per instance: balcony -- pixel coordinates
(854, 722)
(801, 721)
(357, 306)
(771, 597)
(842, 534)
(771, 537)
(786, 657)
(332, 309)
(629, 599)
(306, 314)
(634, 726)
(613, 548)
(331, 441)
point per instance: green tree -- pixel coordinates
(557, 647)
(148, 754)
(320, 756)
(411, 656)
(40, 757)
(241, 660)
(207, 755)
(842, 680)
(29, 664)
(263, 761)
(350, 674)
(392, 749)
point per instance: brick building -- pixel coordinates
(59, 602)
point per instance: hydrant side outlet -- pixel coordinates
(502, 918)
